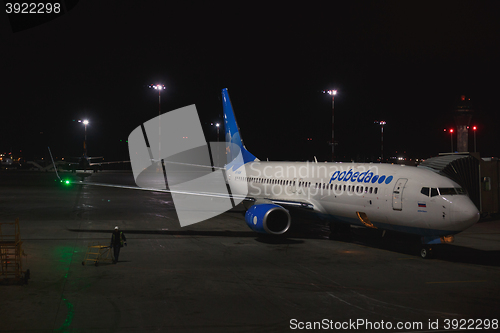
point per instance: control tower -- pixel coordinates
(463, 115)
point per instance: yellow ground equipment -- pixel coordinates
(97, 253)
(11, 254)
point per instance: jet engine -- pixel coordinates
(268, 218)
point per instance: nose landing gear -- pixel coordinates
(426, 252)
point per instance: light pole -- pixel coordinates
(217, 125)
(381, 123)
(332, 93)
(85, 122)
(158, 87)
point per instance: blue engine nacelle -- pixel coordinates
(268, 219)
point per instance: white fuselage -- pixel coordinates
(384, 196)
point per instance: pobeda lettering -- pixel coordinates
(360, 177)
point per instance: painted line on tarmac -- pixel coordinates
(471, 281)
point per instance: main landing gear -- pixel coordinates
(340, 231)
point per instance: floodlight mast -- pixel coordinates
(85, 122)
(381, 123)
(158, 87)
(332, 143)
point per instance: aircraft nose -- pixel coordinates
(465, 213)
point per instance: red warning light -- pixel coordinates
(474, 128)
(462, 97)
(451, 130)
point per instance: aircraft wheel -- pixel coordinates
(426, 252)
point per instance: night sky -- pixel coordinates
(406, 62)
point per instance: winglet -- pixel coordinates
(55, 169)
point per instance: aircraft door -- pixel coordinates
(397, 194)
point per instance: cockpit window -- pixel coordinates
(425, 191)
(447, 191)
(434, 192)
(451, 190)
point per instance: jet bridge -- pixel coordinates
(479, 177)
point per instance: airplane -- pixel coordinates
(85, 162)
(380, 196)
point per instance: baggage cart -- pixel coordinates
(97, 253)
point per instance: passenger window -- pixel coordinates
(434, 192)
(371, 190)
(376, 190)
(425, 191)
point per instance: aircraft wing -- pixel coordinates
(207, 194)
(286, 203)
(113, 162)
(294, 203)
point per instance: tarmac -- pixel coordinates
(219, 276)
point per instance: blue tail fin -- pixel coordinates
(233, 133)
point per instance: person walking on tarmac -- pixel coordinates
(117, 241)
